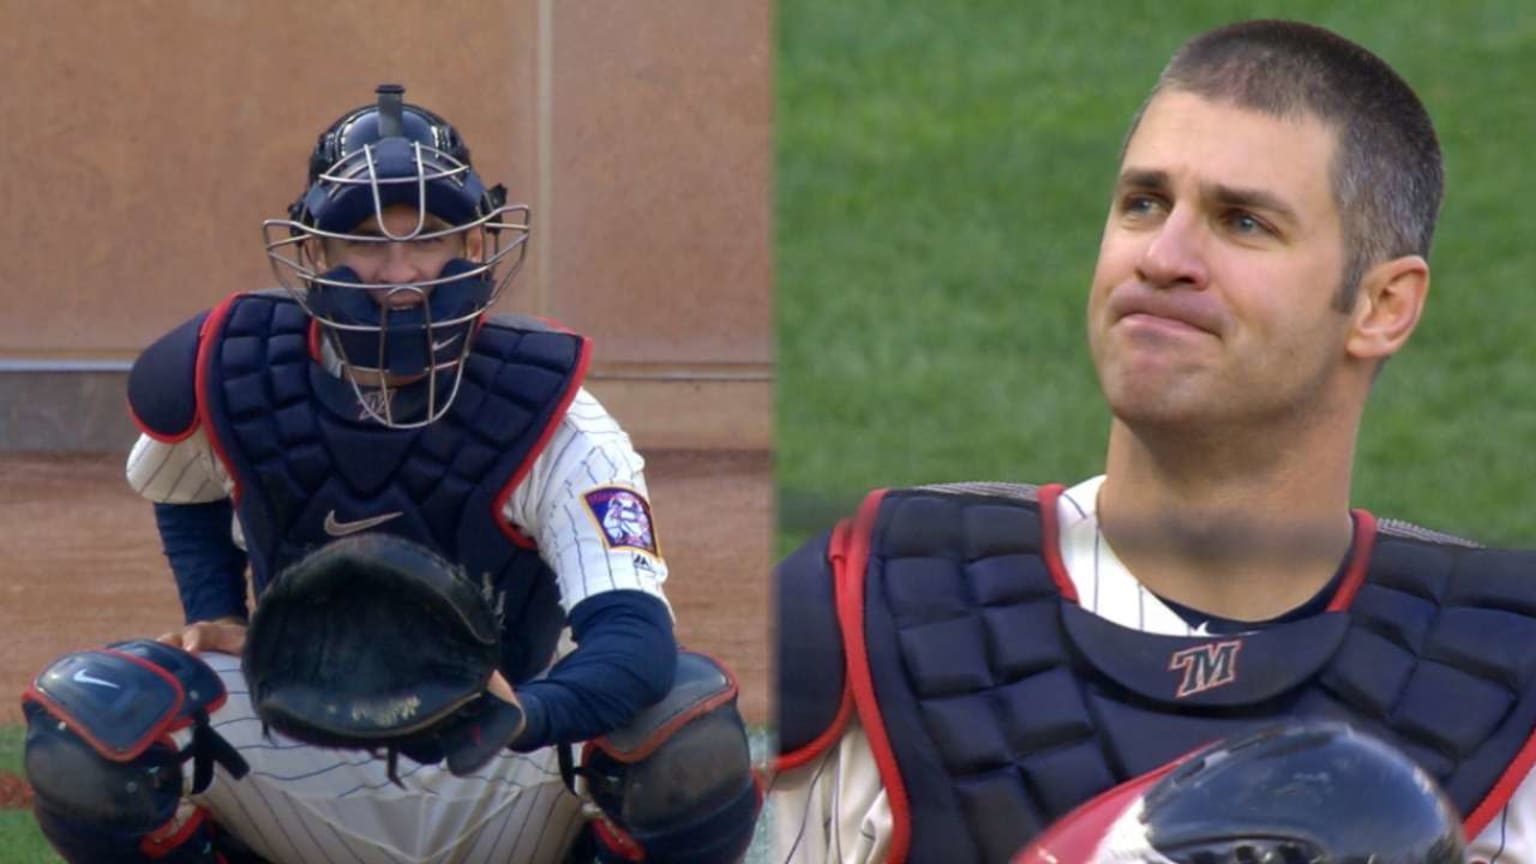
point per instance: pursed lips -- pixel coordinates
(1190, 309)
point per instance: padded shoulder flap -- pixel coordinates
(811, 664)
(532, 341)
(162, 386)
(526, 323)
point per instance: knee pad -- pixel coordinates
(676, 785)
(101, 755)
(187, 841)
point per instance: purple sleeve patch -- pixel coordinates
(624, 516)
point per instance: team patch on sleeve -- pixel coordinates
(624, 517)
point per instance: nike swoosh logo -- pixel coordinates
(337, 528)
(85, 677)
(438, 346)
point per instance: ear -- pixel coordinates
(1387, 308)
(314, 251)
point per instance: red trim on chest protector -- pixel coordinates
(1503, 790)
(160, 436)
(205, 342)
(837, 546)
(499, 505)
(849, 587)
(1050, 540)
(1363, 544)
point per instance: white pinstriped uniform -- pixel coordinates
(834, 809)
(303, 804)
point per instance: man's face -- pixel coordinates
(407, 262)
(1221, 256)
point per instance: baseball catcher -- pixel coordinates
(963, 665)
(285, 434)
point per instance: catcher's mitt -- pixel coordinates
(375, 643)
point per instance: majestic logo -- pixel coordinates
(623, 516)
(85, 677)
(337, 528)
(374, 403)
(1205, 667)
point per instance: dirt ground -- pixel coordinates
(80, 562)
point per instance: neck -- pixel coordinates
(1244, 526)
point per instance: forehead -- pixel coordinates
(396, 215)
(1198, 140)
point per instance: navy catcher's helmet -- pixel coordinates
(397, 337)
(1314, 793)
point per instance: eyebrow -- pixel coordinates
(1219, 193)
(371, 227)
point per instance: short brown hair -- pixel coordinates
(1387, 176)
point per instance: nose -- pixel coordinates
(1173, 256)
(400, 267)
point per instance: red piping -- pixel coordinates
(1050, 541)
(836, 554)
(516, 536)
(206, 339)
(1359, 562)
(850, 613)
(1503, 790)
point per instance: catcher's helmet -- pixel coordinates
(1314, 793)
(396, 337)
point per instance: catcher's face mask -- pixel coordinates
(397, 250)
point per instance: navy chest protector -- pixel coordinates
(994, 704)
(309, 466)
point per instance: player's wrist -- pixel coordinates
(534, 733)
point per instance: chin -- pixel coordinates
(1144, 404)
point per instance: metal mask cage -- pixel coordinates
(294, 249)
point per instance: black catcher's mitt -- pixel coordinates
(373, 642)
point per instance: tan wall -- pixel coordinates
(147, 139)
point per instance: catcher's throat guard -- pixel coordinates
(373, 642)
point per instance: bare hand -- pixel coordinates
(502, 690)
(224, 635)
(499, 687)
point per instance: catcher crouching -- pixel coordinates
(425, 498)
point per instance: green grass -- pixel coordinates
(11, 738)
(943, 173)
(20, 841)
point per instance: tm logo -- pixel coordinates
(1205, 667)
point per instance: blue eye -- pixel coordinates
(1138, 204)
(1246, 223)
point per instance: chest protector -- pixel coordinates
(309, 466)
(994, 704)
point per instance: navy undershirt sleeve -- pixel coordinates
(625, 660)
(209, 567)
